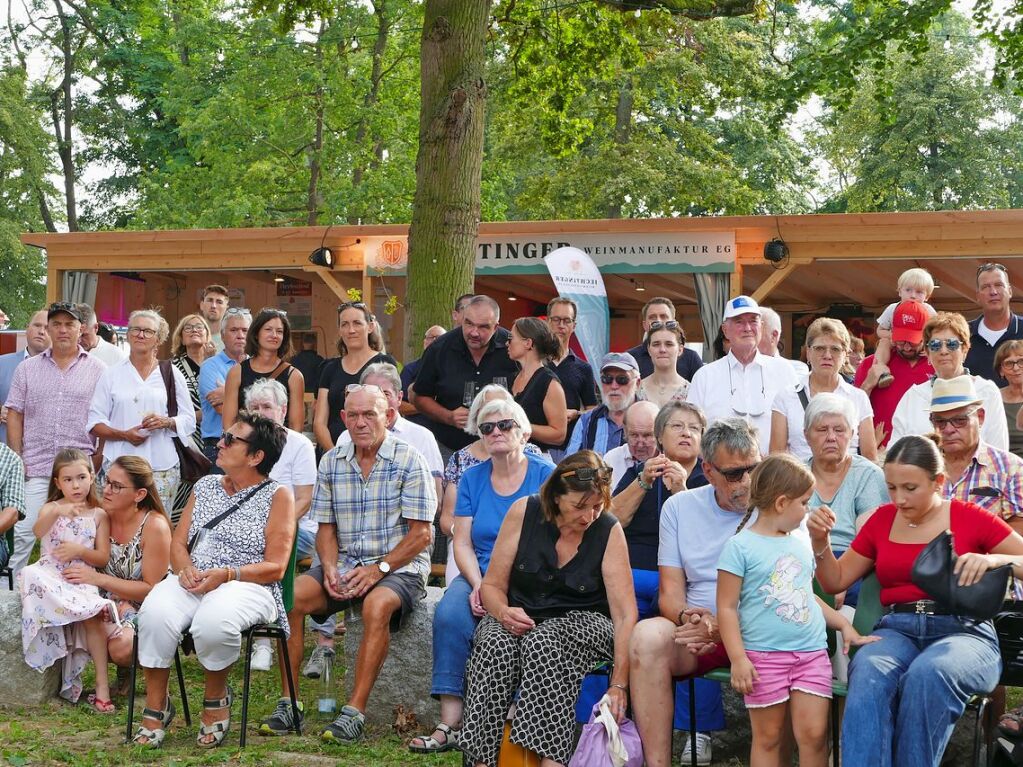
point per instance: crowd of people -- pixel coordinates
(659, 519)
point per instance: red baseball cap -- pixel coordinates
(908, 322)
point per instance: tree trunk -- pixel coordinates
(446, 208)
(623, 131)
(372, 96)
(63, 135)
(313, 198)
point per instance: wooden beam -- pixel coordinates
(948, 280)
(735, 282)
(330, 281)
(775, 279)
(54, 283)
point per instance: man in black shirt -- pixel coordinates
(996, 325)
(459, 364)
(576, 375)
(308, 362)
(661, 310)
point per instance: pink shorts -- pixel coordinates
(782, 671)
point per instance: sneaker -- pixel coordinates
(703, 750)
(322, 657)
(347, 728)
(280, 722)
(262, 657)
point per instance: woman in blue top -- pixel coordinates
(485, 493)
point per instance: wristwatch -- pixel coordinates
(383, 567)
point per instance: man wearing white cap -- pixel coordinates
(602, 429)
(744, 382)
(974, 471)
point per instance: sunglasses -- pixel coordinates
(622, 379)
(505, 424)
(229, 439)
(667, 325)
(990, 266)
(352, 305)
(956, 422)
(736, 474)
(372, 388)
(273, 310)
(61, 306)
(590, 473)
(952, 344)
(238, 310)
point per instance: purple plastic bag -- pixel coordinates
(596, 743)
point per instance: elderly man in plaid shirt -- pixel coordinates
(12, 497)
(375, 502)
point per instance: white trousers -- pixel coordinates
(216, 621)
(24, 538)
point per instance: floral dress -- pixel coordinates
(51, 606)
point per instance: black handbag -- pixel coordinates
(192, 463)
(1009, 627)
(933, 572)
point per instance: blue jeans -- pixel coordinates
(710, 710)
(453, 627)
(907, 691)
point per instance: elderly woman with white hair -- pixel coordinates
(485, 493)
(129, 410)
(849, 484)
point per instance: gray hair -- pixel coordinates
(87, 312)
(162, 328)
(509, 409)
(267, 389)
(486, 301)
(676, 406)
(825, 404)
(770, 320)
(479, 401)
(731, 434)
(383, 370)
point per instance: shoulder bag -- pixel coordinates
(193, 464)
(933, 572)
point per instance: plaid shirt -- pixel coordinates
(993, 480)
(12, 481)
(372, 515)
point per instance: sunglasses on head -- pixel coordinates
(590, 473)
(372, 388)
(990, 266)
(664, 325)
(952, 344)
(736, 474)
(622, 379)
(237, 310)
(273, 310)
(229, 439)
(352, 305)
(505, 424)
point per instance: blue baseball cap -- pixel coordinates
(741, 305)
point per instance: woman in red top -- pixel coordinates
(907, 692)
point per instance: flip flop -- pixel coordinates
(1011, 723)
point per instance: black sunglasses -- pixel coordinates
(622, 379)
(229, 439)
(990, 266)
(659, 325)
(736, 474)
(590, 473)
(505, 424)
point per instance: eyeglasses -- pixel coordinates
(834, 351)
(241, 311)
(1012, 364)
(952, 344)
(371, 388)
(590, 474)
(197, 328)
(61, 306)
(135, 330)
(734, 475)
(505, 424)
(622, 379)
(755, 407)
(666, 325)
(115, 487)
(691, 428)
(957, 422)
(561, 320)
(229, 439)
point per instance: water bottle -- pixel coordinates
(327, 703)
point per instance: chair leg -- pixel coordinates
(982, 706)
(131, 690)
(835, 740)
(245, 684)
(282, 648)
(692, 722)
(181, 687)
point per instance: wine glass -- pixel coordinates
(469, 393)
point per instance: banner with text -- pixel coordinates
(575, 276)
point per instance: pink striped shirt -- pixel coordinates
(55, 407)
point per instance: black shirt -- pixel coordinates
(688, 362)
(577, 380)
(532, 398)
(980, 360)
(447, 365)
(334, 378)
(308, 363)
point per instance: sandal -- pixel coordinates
(218, 729)
(1011, 723)
(430, 745)
(99, 704)
(155, 736)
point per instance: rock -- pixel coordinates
(19, 684)
(405, 677)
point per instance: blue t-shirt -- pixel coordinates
(862, 490)
(777, 609)
(212, 375)
(477, 499)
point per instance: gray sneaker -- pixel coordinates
(281, 722)
(316, 666)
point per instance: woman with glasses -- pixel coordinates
(359, 345)
(827, 350)
(140, 536)
(190, 343)
(268, 347)
(947, 342)
(1009, 364)
(665, 343)
(485, 493)
(128, 413)
(537, 388)
(558, 597)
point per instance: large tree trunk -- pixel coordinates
(623, 132)
(446, 209)
(369, 103)
(313, 197)
(60, 100)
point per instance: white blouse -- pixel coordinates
(122, 400)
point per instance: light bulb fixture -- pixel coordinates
(512, 298)
(278, 278)
(640, 287)
(322, 257)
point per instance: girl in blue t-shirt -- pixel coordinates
(771, 624)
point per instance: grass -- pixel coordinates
(74, 735)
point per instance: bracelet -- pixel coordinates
(643, 485)
(820, 554)
(237, 573)
(228, 571)
(621, 687)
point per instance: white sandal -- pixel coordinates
(220, 728)
(433, 746)
(156, 736)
